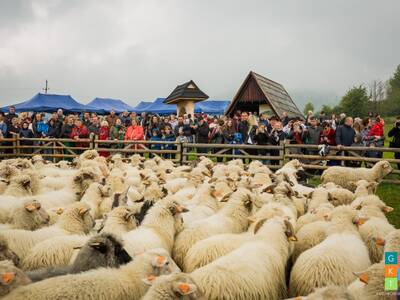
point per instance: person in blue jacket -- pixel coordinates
(168, 136)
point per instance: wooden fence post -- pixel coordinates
(15, 144)
(180, 147)
(282, 153)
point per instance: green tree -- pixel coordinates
(327, 109)
(392, 103)
(309, 106)
(356, 102)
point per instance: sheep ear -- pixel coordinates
(30, 207)
(159, 261)
(289, 231)
(226, 197)
(99, 246)
(379, 241)
(362, 276)
(387, 209)
(269, 189)
(259, 224)
(7, 278)
(360, 220)
(252, 219)
(184, 288)
(83, 211)
(149, 280)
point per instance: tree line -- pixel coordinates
(377, 98)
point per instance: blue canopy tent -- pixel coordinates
(142, 106)
(213, 107)
(110, 104)
(159, 107)
(51, 102)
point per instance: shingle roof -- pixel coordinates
(188, 90)
(275, 94)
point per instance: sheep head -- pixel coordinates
(6, 253)
(161, 262)
(384, 168)
(32, 217)
(77, 219)
(11, 277)
(174, 286)
(103, 250)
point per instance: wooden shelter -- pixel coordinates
(262, 95)
(185, 96)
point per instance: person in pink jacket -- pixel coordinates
(134, 133)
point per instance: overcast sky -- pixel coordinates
(140, 50)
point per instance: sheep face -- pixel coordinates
(162, 264)
(385, 168)
(83, 180)
(11, 277)
(7, 254)
(104, 250)
(32, 217)
(175, 286)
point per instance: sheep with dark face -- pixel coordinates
(11, 277)
(6, 253)
(103, 250)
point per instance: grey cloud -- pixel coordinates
(137, 50)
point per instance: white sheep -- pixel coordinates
(207, 250)
(372, 229)
(59, 250)
(365, 188)
(158, 228)
(29, 216)
(345, 176)
(75, 220)
(232, 218)
(333, 260)
(256, 270)
(125, 282)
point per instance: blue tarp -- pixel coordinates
(51, 102)
(110, 104)
(215, 107)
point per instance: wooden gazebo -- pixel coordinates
(185, 96)
(262, 95)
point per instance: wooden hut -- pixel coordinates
(185, 96)
(262, 95)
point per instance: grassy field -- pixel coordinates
(387, 192)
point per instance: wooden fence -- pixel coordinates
(182, 153)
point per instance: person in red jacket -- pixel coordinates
(134, 133)
(79, 131)
(328, 134)
(376, 137)
(104, 134)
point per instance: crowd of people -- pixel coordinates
(242, 128)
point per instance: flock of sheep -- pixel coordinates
(147, 229)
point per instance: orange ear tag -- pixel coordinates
(7, 277)
(184, 288)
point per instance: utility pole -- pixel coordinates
(46, 88)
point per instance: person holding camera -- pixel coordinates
(394, 133)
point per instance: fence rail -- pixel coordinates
(182, 153)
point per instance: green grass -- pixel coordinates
(388, 192)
